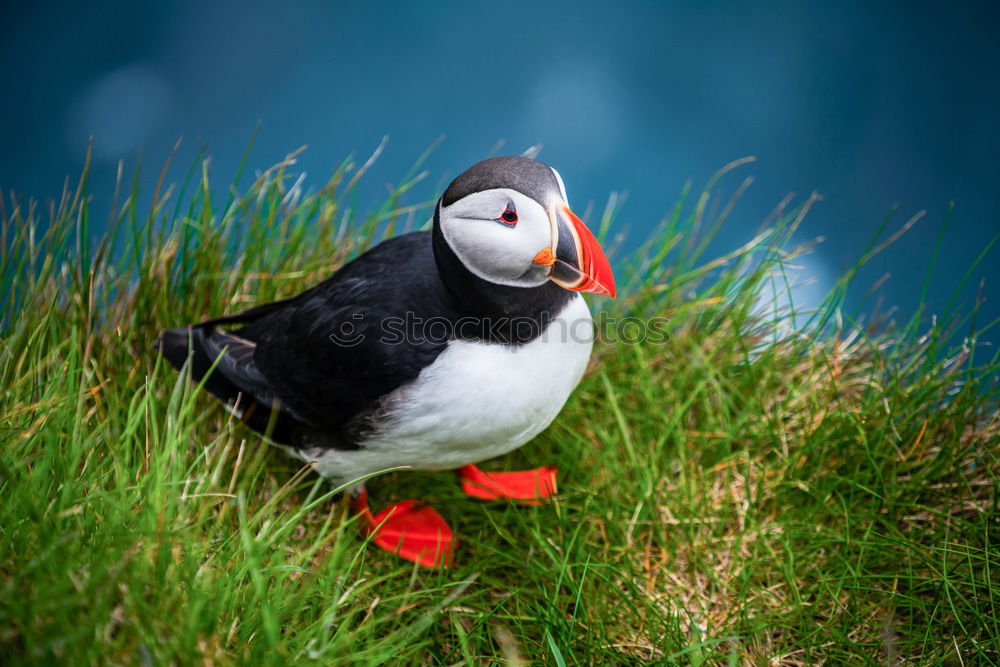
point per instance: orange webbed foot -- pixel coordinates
(410, 529)
(529, 487)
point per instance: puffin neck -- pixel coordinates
(474, 297)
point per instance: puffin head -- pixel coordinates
(507, 220)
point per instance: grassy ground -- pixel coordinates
(745, 493)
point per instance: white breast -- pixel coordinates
(476, 401)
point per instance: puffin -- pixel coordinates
(434, 350)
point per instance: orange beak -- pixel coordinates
(578, 264)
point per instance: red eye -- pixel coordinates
(509, 216)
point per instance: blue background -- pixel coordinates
(869, 105)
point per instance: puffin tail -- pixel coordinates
(179, 345)
(174, 345)
(224, 362)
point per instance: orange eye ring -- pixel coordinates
(509, 216)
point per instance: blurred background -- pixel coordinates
(873, 105)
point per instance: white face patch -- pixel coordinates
(493, 249)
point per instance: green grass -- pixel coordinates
(746, 493)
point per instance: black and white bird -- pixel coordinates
(435, 349)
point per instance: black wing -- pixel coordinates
(327, 356)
